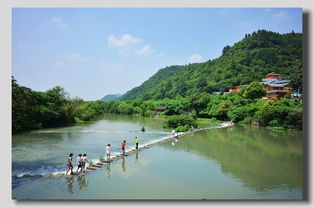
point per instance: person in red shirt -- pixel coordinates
(123, 144)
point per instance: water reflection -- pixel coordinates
(136, 161)
(123, 165)
(70, 181)
(260, 158)
(108, 170)
(82, 182)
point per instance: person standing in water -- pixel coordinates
(137, 140)
(69, 164)
(79, 162)
(84, 160)
(108, 152)
(123, 144)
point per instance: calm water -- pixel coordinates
(228, 163)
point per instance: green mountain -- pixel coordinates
(111, 97)
(152, 82)
(248, 60)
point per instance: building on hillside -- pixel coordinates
(159, 110)
(275, 85)
(234, 89)
(273, 75)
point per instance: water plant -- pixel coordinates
(90, 163)
(101, 157)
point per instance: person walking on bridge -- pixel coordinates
(108, 152)
(137, 140)
(69, 164)
(123, 144)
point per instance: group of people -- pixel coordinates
(81, 163)
(82, 159)
(123, 146)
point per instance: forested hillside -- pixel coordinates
(256, 55)
(153, 81)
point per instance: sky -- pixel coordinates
(92, 52)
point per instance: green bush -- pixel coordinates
(247, 120)
(213, 119)
(143, 129)
(179, 120)
(182, 128)
(78, 121)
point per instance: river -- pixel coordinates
(220, 163)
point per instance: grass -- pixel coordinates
(203, 122)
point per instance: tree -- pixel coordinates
(254, 90)
(225, 49)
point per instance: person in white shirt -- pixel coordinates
(108, 151)
(84, 160)
(79, 162)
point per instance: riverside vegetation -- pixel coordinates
(53, 108)
(186, 91)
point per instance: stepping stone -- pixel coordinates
(59, 174)
(99, 163)
(91, 168)
(98, 166)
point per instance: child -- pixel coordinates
(79, 161)
(123, 144)
(137, 140)
(84, 160)
(69, 164)
(108, 152)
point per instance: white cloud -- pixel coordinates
(281, 15)
(145, 50)
(124, 41)
(57, 21)
(195, 58)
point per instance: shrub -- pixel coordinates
(143, 129)
(182, 128)
(179, 120)
(247, 120)
(213, 119)
(78, 121)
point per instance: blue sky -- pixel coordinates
(91, 52)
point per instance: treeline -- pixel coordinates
(53, 108)
(248, 60)
(273, 112)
